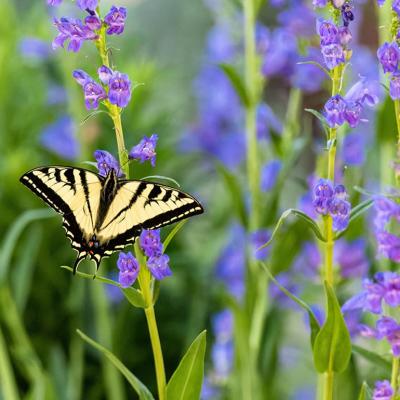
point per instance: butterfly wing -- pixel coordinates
(72, 192)
(144, 205)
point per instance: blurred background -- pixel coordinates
(171, 49)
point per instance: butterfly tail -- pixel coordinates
(81, 256)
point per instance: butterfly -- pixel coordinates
(104, 214)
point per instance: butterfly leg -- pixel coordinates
(81, 256)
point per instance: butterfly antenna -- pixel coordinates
(122, 166)
(81, 256)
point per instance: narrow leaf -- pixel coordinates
(133, 295)
(314, 325)
(321, 118)
(317, 64)
(165, 178)
(310, 222)
(173, 232)
(137, 385)
(186, 381)
(375, 359)
(332, 346)
(363, 392)
(233, 186)
(237, 82)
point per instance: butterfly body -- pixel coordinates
(104, 214)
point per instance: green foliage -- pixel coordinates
(186, 381)
(332, 346)
(237, 82)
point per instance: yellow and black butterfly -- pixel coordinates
(104, 214)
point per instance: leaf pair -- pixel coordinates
(186, 381)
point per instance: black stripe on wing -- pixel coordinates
(73, 232)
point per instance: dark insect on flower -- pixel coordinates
(347, 13)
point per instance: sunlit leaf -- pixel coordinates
(137, 385)
(186, 381)
(332, 346)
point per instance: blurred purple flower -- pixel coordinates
(382, 391)
(347, 13)
(352, 113)
(114, 293)
(266, 120)
(220, 46)
(222, 324)
(150, 242)
(269, 174)
(353, 149)
(56, 94)
(340, 211)
(105, 162)
(257, 239)
(59, 137)
(128, 269)
(105, 74)
(364, 91)
(115, 20)
(388, 245)
(396, 6)
(74, 31)
(385, 209)
(279, 298)
(159, 266)
(334, 111)
(333, 55)
(263, 38)
(345, 35)
(145, 150)
(323, 195)
(394, 88)
(87, 4)
(230, 268)
(222, 358)
(389, 56)
(120, 89)
(308, 261)
(351, 257)
(328, 32)
(319, 3)
(93, 22)
(352, 320)
(93, 91)
(298, 19)
(209, 390)
(34, 49)
(54, 2)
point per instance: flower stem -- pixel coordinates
(328, 386)
(395, 376)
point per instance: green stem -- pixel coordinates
(328, 386)
(394, 382)
(7, 379)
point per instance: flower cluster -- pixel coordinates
(329, 200)
(388, 243)
(382, 391)
(389, 57)
(77, 31)
(115, 87)
(349, 108)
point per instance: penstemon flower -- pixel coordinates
(105, 162)
(159, 266)
(128, 269)
(150, 242)
(382, 391)
(389, 56)
(87, 4)
(115, 20)
(145, 150)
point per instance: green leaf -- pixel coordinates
(133, 295)
(186, 381)
(386, 122)
(15, 231)
(137, 385)
(363, 392)
(332, 346)
(375, 359)
(237, 82)
(314, 325)
(317, 64)
(173, 232)
(166, 178)
(321, 118)
(310, 222)
(235, 190)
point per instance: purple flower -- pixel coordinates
(93, 22)
(382, 391)
(145, 150)
(352, 258)
(323, 195)
(340, 209)
(394, 88)
(328, 32)
(345, 35)
(105, 74)
(222, 357)
(319, 3)
(222, 324)
(388, 245)
(347, 13)
(115, 19)
(333, 55)
(119, 89)
(93, 93)
(257, 239)
(59, 137)
(128, 269)
(396, 6)
(308, 261)
(263, 39)
(298, 19)
(158, 266)
(391, 283)
(364, 91)
(385, 209)
(81, 77)
(220, 46)
(230, 268)
(334, 111)
(389, 55)
(353, 149)
(269, 174)
(384, 326)
(74, 31)
(34, 49)
(352, 113)
(106, 162)
(54, 2)
(267, 120)
(150, 242)
(87, 4)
